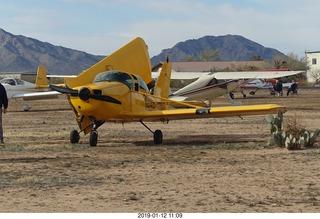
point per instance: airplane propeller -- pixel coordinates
(84, 94)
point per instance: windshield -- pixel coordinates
(142, 84)
(10, 81)
(122, 77)
(115, 76)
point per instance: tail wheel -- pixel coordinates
(74, 136)
(93, 140)
(157, 136)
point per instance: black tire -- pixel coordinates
(93, 139)
(74, 136)
(231, 95)
(157, 137)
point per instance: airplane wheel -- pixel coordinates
(93, 140)
(74, 136)
(231, 95)
(26, 108)
(157, 136)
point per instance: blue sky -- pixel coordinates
(100, 26)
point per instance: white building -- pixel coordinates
(313, 60)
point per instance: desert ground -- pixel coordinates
(205, 165)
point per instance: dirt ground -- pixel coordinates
(205, 165)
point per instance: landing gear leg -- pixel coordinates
(157, 134)
(231, 95)
(254, 92)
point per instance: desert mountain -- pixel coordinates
(19, 53)
(215, 48)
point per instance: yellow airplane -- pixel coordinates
(120, 89)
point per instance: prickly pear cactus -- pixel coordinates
(276, 126)
(293, 138)
(310, 137)
(292, 143)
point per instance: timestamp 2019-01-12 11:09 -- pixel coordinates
(160, 215)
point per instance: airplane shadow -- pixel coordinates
(40, 110)
(200, 140)
(35, 159)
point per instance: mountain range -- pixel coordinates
(19, 53)
(222, 48)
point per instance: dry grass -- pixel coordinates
(294, 126)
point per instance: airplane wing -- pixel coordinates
(61, 76)
(214, 112)
(37, 95)
(182, 75)
(231, 75)
(254, 74)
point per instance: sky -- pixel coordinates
(100, 27)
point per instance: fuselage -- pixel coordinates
(264, 84)
(15, 86)
(207, 87)
(112, 94)
(258, 83)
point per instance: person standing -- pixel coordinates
(4, 104)
(278, 88)
(293, 88)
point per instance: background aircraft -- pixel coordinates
(20, 89)
(116, 89)
(211, 85)
(258, 84)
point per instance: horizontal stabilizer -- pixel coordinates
(37, 95)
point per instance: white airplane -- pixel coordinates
(20, 89)
(265, 84)
(211, 85)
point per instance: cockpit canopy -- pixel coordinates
(12, 81)
(132, 81)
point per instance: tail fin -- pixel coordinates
(132, 58)
(162, 87)
(41, 80)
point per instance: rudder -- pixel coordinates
(41, 80)
(162, 87)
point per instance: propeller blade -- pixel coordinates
(64, 90)
(84, 94)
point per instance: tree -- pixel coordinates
(315, 76)
(279, 62)
(256, 58)
(296, 63)
(291, 61)
(188, 58)
(209, 55)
